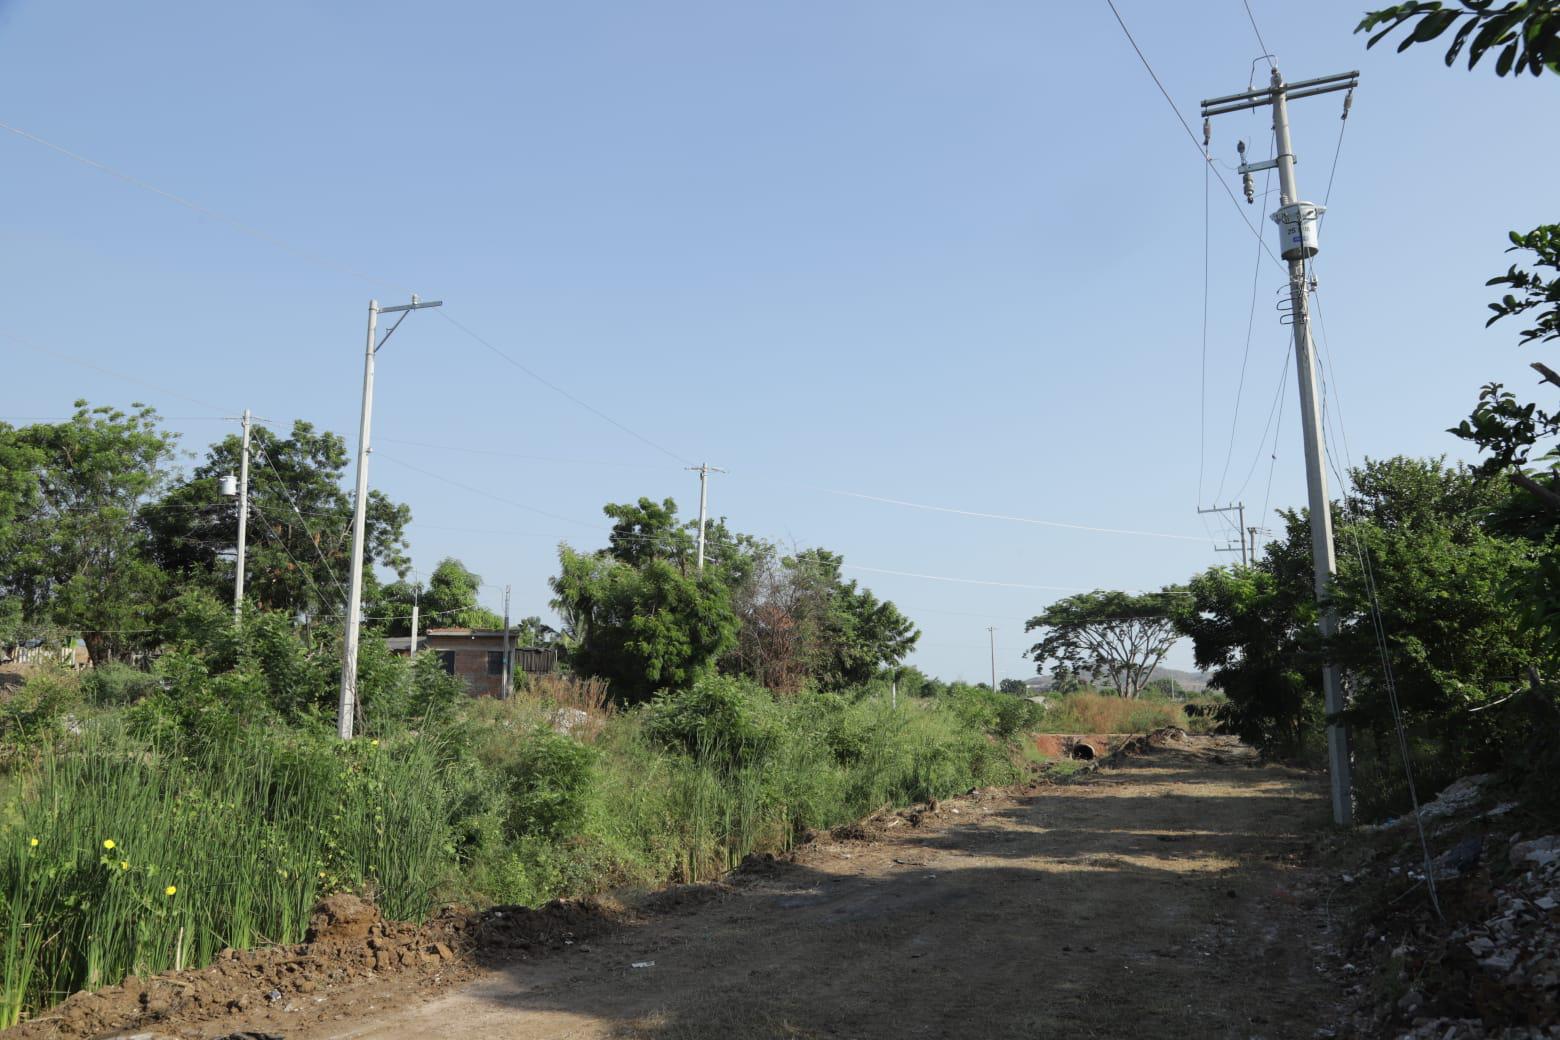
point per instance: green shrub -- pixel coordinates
(547, 784)
(114, 685)
(1000, 714)
(34, 713)
(721, 720)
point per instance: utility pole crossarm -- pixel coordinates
(1238, 507)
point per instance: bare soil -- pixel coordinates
(1165, 895)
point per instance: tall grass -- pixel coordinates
(120, 855)
(1102, 713)
(120, 858)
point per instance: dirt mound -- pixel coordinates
(759, 865)
(348, 944)
(342, 916)
(682, 898)
(503, 931)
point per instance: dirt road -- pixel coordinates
(1158, 899)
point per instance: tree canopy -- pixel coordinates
(71, 522)
(300, 523)
(449, 599)
(1117, 637)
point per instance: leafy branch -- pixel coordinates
(1526, 33)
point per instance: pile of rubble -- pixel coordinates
(1489, 964)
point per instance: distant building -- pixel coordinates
(477, 656)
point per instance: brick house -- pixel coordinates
(477, 656)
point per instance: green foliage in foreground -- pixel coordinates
(118, 856)
(248, 823)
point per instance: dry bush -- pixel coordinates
(563, 693)
(1103, 713)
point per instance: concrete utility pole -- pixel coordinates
(992, 631)
(1297, 222)
(704, 470)
(1238, 507)
(416, 610)
(1253, 532)
(507, 674)
(347, 704)
(243, 520)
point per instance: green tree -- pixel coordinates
(1254, 629)
(77, 544)
(1117, 636)
(448, 600)
(300, 523)
(857, 634)
(640, 628)
(1412, 542)
(1017, 687)
(1418, 547)
(1525, 36)
(1517, 437)
(648, 530)
(634, 613)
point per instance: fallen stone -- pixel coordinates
(1542, 851)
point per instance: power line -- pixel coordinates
(1343, 124)
(204, 211)
(265, 456)
(1260, 41)
(1188, 128)
(92, 365)
(1377, 620)
(282, 543)
(1245, 357)
(520, 455)
(1276, 408)
(562, 392)
(1000, 584)
(1202, 387)
(1013, 519)
(479, 491)
(312, 258)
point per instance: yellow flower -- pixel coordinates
(33, 842)
(373, 743)
(170, 890)
(108, 843)
(124, 864)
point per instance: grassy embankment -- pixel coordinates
(129, 847)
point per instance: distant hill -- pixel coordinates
(1192, 682)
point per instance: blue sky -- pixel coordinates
(941, 253)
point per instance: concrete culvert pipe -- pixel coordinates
(1083, 752)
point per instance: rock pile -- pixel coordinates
(1491, 968)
